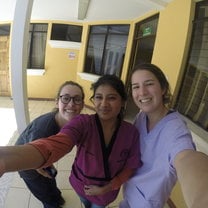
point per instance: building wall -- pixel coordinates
(60, 66)
(170, 51)
(173, 38)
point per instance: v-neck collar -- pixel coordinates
(106, 150)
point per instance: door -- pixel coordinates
(142, 51)
(4, 66)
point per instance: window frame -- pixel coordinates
(105, 35)
(66, 32)
(5, 29)
(33, 62)
(191, 99)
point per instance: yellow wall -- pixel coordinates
(172, 38)
(169, 53)
(171, 45)
(177, 197)
(59, 67)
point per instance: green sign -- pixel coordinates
(147, 31)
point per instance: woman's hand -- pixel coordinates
(44, 173)
(49, 172)
(93, 190)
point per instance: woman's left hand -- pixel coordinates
(93, 190)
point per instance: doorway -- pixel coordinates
(4, 66)
(143, 46)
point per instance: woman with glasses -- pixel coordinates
(107, 147)
(42, 182)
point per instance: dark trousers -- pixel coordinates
(46, 190)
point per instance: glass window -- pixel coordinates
(148, 27)
(144, 40)
(37, 46)
(4, 30)
(193, 96)
(66, 32)
(106, 49)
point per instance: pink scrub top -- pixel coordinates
(95, 163)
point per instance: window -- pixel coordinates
(106, 49)
(37, 45)
(144, 40)
(4, 30)
(193, 96)
(66, 32)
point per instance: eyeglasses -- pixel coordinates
(65, 99)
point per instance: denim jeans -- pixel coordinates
(88, 204)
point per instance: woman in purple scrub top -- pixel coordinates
(167, 150)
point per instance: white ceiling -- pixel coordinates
(97, 10)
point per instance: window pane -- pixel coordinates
(114, 54)
(148, 28)
(66, 32)
(121, 29)
(95, 53)
(99, 29)
(144, 40)
(38, 50)
(201, 11)
(106, 49)
(4, 30)
(193, 98)
(37, 45)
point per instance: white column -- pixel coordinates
(19, 41)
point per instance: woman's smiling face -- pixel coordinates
(146, 91)
(68, 111)
(108, 102)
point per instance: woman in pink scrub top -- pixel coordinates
(108, 150)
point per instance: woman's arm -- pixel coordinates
(114, 184)
(39, 153)
(13, 158)
(192, 171)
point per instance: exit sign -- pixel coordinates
(147, 31)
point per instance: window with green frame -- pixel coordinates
(193, 97)
(106, 49)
